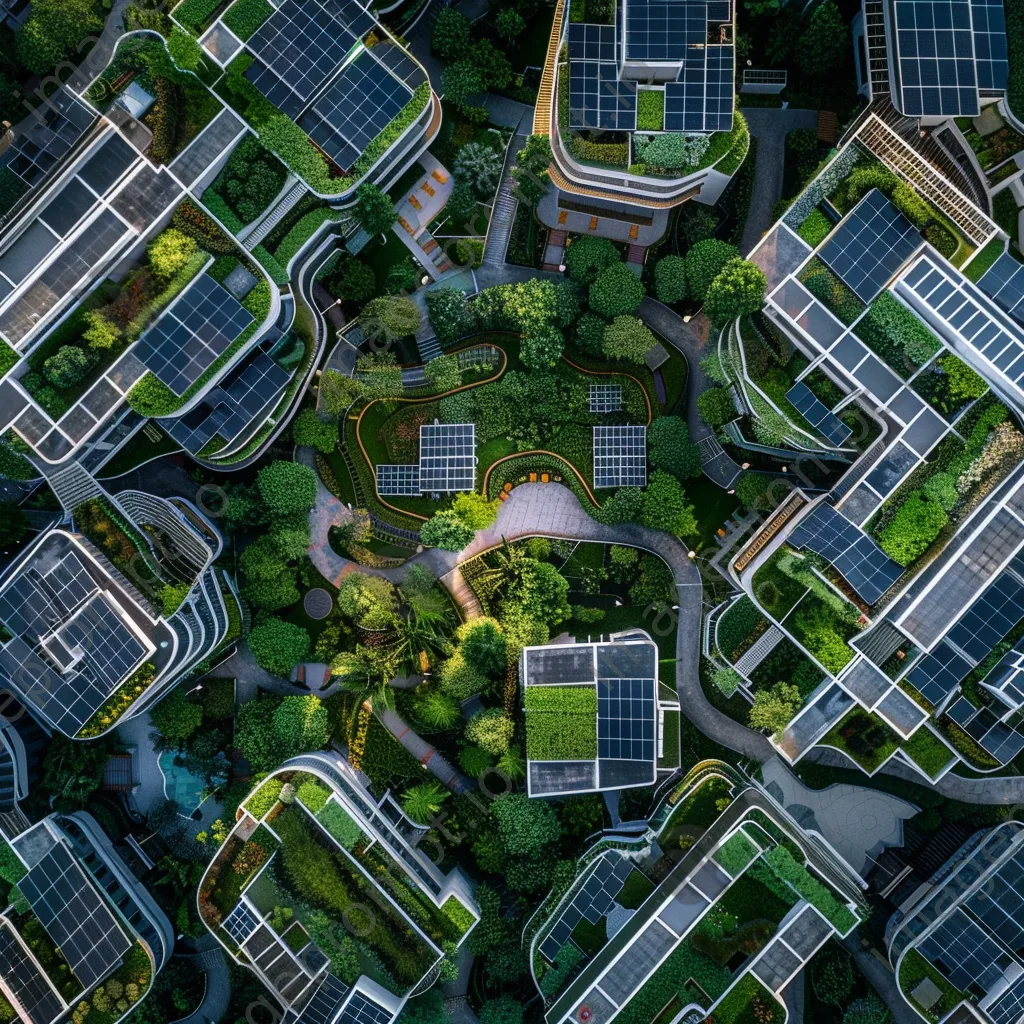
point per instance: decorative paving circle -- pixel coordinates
(317, 603)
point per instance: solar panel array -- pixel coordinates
(936, 57)
(75, 916)
(860, 561)
(605, 398)
(192, 333)
(625, 719)
(323, 1007)
(1004, 283)
(661, 31)
(447, 457)
(990, 53)
(702, 97)
(399, 480)
(361, 1010)
(620, 456)
(35, 602)
(591, 42)
(26, 981)
(968, 957)
(241, 922)
(99, 631)
(356, 107)
(990, 618)
(999, 903)
(997, 738)
(826, 422)
(870, 245)
(599, 99)
(591, 903)
(938, 674)
(297, 49)
(964, 310)
(58, 124)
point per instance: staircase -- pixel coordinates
(542, 111)
(358, 242)
(276, 215)
(637, 254)
(762, 647)
(429, 347)
(503, 212)
(556, 241)
(413, 377)
(72, 485)
(7, 780)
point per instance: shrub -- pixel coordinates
(786, 868)
(704, 262)
(716, 407)
(670, 279)
(560, 723)
(911, 205)
(264, 798)
(587, 256)
(478, 166)
(650, 110)
(772, 709)
(671, 448)
(308, 429)
(964, 382)
(340, 825)
(66, 367)
(913, 528)
(287, 488)
(589, 334)
(243, 17)
(170, 251)
(616, 291)
(278, 646)
(312, 795)
(671, 150)
(443, 373)
(739, 288)
(628, 338)
(450, 37)
(895, 333)
(491, 730)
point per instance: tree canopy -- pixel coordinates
(671, 449)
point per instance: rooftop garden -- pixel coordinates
(246, 186)
(891, 331)
(999, 143)
(561, 723)
(913, 970)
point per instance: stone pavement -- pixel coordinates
(859, 823)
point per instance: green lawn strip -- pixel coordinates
(746, 1003)
(914, 969)
(635, 890)
(736, 853)
(777, 592)
(138, 450)
(789, 870)
(927, 751)
(984, 259)
(864, 738)
(670, 741)
(700, 807)
(561, 723)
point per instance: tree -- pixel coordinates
(671, 449)
(628, 338)
(616, 291)
(300, 722)
(913, 529)
(494, 67)
(390, 316)
(445, 530)
(478, 166)
(268, 580)
(450, 36)
(491, 730)
(482, 643)
(753, 491)
(715, 407)
(824, 41)
(52, 29)
(670, 279)
(509, 23)
(666, 507)
(254, 733)
(437, 710)
(738, 289)
(278, 646)
(525, 826)
(587, 256)
(353, 281)
(461, 203)
(73, 770)
(373, 209)
(337, 392)
(475, 510)
(832, 976)
(101, 333)
(287, 488)
(460, 80)
(309, 430)
(448, 313)
(624, 506)
(443, 373)
(964, 382)
(361, 595)
(567, 303)
(13, 524)
(589, 334)
(772, 709)
(869, 1010)
(422, 802)
(176, 717)
(403, 276)
(542, 347)
(66, 367)
(703, 264)
(543, 592)
(170, 251)
(380, 375)
(503, 1010)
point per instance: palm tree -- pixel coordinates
(414, 635)
(367, 673)
(511, 565)
(422, 802)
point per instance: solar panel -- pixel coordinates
(625, 719)
(399, 480)
(861, 562)
(447, 457)
(870, 245)
(990, 53)
(660, 31)
(352, 15)
(701, 99)
(598, 98)
(935, 57)
(241, 922)
(355, 109)
(98, 632)
(58, 124)
(605, 398)
(1009, 1007)
(361, 1010)
(298, 48)
(938, 674)
(323, 1007)
(591, 42)
(990, 618)
(1004, 283)
(964, 953)
(192, 333)
(826, 422)
(75, 916)
(27, 983)
(620, 456)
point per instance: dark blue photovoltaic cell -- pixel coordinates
(937, 674)
(591, 42)
(1004, 283)
(598, 98)
(990, 618)
(990, 54)
(701, 99)
(870, 245)
(826, 422)
(625, 719)
(862, 563)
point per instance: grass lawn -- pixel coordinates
(913, 969)
(713, 507)
(865, 738)
(627, 617)
(927, 751)
(776, 592)
(138, 450)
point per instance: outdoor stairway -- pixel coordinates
(545, 94)
(503, 213)
(429, 348)
(7, 777)
(276, 215)
(762, 647)
(72, 485)
(413, 376)
(637, 254)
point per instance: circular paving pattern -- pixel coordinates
(317, 603)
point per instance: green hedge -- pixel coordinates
(339, 823)
(8, 357)
(815, 228)
(561, 723)
(243, 17)
(889, 329)
(650, 110)
(264, 798)
(736, 853)
(220, 209)
(786, 868)
(194, 14)
(302, 232)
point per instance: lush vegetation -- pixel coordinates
(561, 723)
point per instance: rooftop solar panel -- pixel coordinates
(241, 922)
(355, 109)
(447, 457)
(826, 422)
(701, 99)
(58, 124)
(1004, 282)
(361, 1010)
(1009, 1007)
(660, 31)
(938, 674)
(75, 916)
(323, 1007)
(964, 953)
(591, 42)
(27, 982)
(192, 333)
(620, 456)
(98, 632)
(870, 245)
(990, 53)
(598, 98)
(399, 480)
(625, 719)
(862, 563)
(605, 398)
(935, 57)
(351, 14)
(990, 618)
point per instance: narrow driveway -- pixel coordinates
(770, 127)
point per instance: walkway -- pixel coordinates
(503, 211)
(721, 470)
(218, 986)
(769, 125)
(420, 206)
(422, 751)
